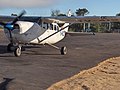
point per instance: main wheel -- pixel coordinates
(63, 50)
(9, 47)
(17, 51)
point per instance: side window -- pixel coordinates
(45, 25)
(39, 21)
(51, 27)
(55, 28)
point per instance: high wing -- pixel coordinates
(24, 18)
(81, 19)
(6, 18)
(64, 19)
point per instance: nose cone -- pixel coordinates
(9, 26)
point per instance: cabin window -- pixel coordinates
(39, 21)
(51, 27)
(55, 28)
(45, 25)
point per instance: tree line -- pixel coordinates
(96, 27)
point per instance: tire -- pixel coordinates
(9, 47)
(63, 50)
(18, 51)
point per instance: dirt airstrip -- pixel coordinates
(39, 67)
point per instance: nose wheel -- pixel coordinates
(16, 49)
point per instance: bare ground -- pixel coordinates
(105, 76)
(41, 66)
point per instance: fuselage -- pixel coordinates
(29, 32)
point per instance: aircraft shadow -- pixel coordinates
(3, 50)
(4, 84)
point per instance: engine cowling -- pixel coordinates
(25, 32)
(24, 26)
(29, 31)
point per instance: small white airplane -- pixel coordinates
(26, 32)
(46, 30)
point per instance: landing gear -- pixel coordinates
(63, 50)
(17, 51)
(14, 48)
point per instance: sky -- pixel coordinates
(44, 7)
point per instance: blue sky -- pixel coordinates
(43, 8)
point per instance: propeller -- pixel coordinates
(18, 17)
(10, 25)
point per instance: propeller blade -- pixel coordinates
(10, 26)
(18, 17)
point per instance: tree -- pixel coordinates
(116, 25)
(55, 12)
(118, 14)
(82, 12)
(62, 14)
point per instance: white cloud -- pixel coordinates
(26, 3)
